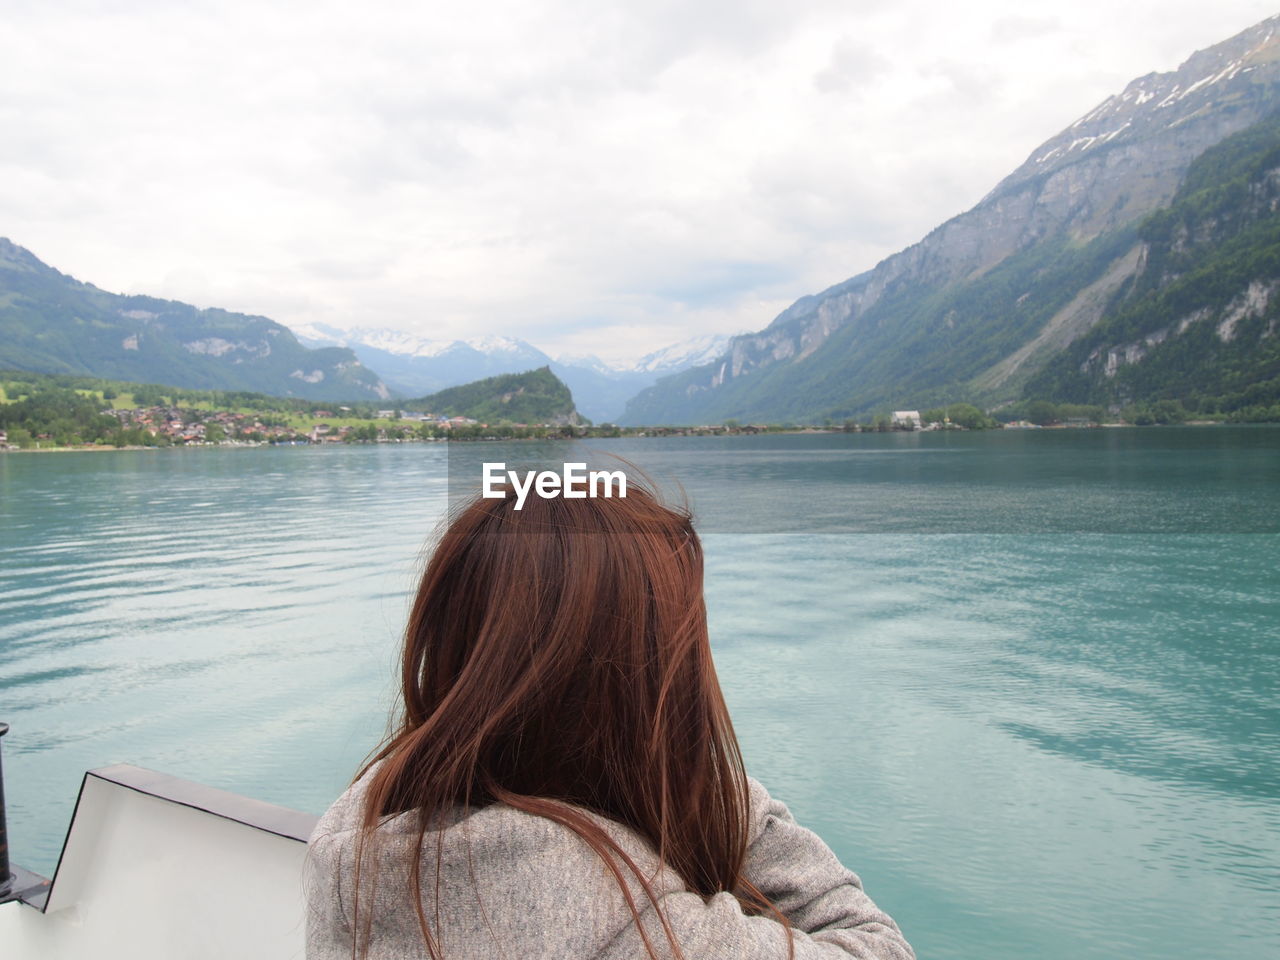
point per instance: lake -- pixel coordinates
(1026, 684)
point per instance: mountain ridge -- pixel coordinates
(51, 322)
(1199, 323)
(1086, 185)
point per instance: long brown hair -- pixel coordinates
(557, 660)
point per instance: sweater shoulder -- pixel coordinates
(507, 880)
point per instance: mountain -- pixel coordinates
(680, 356)
(975, 309)
(1198, 321)
(603, 389)
(52, 323)
(533, 397)
(413, 365)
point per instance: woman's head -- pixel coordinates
(557, 658)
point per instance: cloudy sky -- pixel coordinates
(602, 176)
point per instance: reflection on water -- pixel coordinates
(1050, 746)
(1207, 480)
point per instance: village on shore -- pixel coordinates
(165, 425)
(48, 412)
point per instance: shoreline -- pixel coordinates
(106, 448)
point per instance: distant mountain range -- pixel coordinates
(414, 365)
(978, 308)
(53, 323)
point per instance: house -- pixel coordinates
(906, 419)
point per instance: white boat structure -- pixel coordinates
(154, 866)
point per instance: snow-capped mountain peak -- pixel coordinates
(401, 343)
(588, 361)
(676, 356)
(404, 344)
(1158, 101)
(320, 334)
(687, 353)
(493, 344)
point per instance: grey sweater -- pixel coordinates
(513, 885)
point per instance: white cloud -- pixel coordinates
(853, 66)
(1020, 27)
(597, 177)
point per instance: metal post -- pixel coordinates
(6, 875)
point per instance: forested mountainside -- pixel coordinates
(976, 309)
(1198, 321)
(52, 323)
(535, 397)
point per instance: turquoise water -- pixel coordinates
(1031, 736)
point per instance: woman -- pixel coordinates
(563, 780)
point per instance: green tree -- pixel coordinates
(1168, 411)
(970, 417)
(1042, 412)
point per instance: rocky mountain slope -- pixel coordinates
(975, 309)
(1199, 322)
(52, 323)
